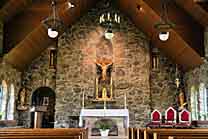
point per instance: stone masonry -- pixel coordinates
(76, 72)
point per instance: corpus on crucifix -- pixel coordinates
(104, 79)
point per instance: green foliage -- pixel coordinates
(104, 124)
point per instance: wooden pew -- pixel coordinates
(177, 133)
(62, 133)
(164, 133)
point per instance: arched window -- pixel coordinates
(194, 103)
(10, 108)
(4, 100)
(202, 102)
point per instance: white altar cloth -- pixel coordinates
(104, 113)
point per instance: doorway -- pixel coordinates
(44, 96)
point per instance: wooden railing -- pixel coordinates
(22, 133)
(136, 133)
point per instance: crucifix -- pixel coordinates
(104, 79)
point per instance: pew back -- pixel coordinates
(136, 133)
(70, 133)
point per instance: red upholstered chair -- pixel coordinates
(170, 117)
(156, 116)
(156, 119)
(184, 118)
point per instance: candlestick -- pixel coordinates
(96, 85)
(83, 99)
(111, 88)
(104, 104)
(125, 107)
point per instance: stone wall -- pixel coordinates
(163, 88)
(37, 75)
(76, 71)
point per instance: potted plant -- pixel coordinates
(1, 114)
(104, 125)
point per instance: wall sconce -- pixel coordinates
(155, 58)
(52, 58)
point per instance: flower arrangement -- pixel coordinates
(104, 124)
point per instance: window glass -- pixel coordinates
(4, 100)
(10, 107)
(194, 103)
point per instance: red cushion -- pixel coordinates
(156, 116)
(170, 115)
(185, 116)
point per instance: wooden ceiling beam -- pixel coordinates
(195, 10)
(37, 41)
(175, 48)
(12, 7)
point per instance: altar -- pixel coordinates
(88, 117)
(110, 113)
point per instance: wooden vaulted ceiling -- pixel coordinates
(185, 46)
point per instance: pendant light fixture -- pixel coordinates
(108, 19)
(53, 22)
(165, 24)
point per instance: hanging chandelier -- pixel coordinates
(53, 22)
(165, 24)
(108, 19)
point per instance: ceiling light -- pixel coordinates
(164, 35)
(109, 34)
(165, 24)
(53, 23)
(70, 5)
(109, 19)
(52, 33)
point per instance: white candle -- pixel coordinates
(83, 99)
(119, 19)
(125, 101)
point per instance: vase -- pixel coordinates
(104, 133)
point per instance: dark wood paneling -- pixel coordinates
(195, 10)
(34, 43)
(188, 28)
(175, 48)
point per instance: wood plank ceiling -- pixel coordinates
(36, 41)
(179, 47)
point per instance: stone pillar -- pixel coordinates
(1, 37)
(206, 42)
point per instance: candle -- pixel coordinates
(108, 16)
(119, 19)
(104, 104)
(125, 101)
(83, 99)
